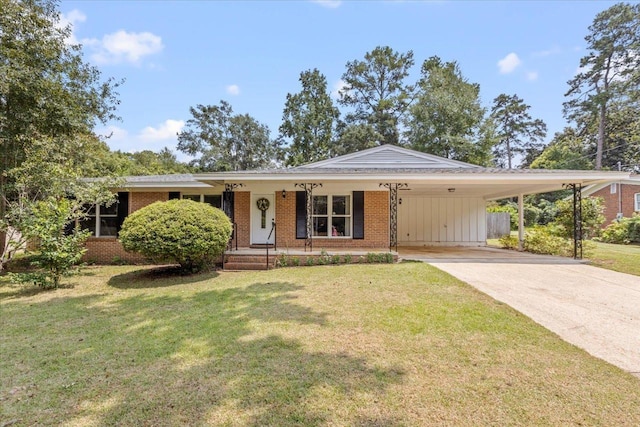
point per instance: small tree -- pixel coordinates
(58, 253)
(188, 233)
(592, 217)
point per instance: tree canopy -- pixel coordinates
(375, 89)
(308, 120)
(227, 141)
(517, 131)
(609, 74)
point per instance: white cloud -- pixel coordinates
(71, 19)
(330, 4)
(233, 90)
(113, 133)
(339, 86)
(166, 131)
(509, 63)
(123, 46)
(532, 75)
(555, 50)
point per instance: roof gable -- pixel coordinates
(388, 157)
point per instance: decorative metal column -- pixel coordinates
(393, 212)
(577, 220)
(227, 201)
(308, 188)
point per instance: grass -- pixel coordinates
(622, 258)
(376, 345)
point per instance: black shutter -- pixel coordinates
(301, 214)
(227, 203)
(358, 214)
(174, 195)
(123, 209)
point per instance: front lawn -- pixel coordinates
(355, 345)
(623, 258)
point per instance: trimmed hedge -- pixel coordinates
(185, 232)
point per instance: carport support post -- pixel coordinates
(520, 222)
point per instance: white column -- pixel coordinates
(520, 222)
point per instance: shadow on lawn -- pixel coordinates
(158, 277)
(214, 357)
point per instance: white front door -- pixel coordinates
(263, 213)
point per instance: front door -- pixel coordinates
(263, 212)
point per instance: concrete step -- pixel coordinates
(240, 266)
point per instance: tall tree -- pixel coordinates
(308, 120)
(227, 142)
(565, 151)
(446, 116)
(517, 131)
(377, 92)
(47, 92)
(352, 137)
(610, 72)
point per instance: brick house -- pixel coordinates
(383, 197)
(621, 198)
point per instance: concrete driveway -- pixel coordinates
(595, 309)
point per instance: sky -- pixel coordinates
(174, 55)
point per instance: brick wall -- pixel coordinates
(376, 224)
(242, 217)
(626, 193)
(105, 250)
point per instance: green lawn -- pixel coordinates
(376, 345)
(623, 258)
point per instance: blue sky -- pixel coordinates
(177, 54)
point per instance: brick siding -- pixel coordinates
(242, 217)
(106, 250)
(376, 224)
(625, 193)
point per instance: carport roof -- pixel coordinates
(424, 174)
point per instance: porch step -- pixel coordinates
(248, 262)
(261, 246)
(242, 266)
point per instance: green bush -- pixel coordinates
(58, 254)
(188, 233)
(543, 239)
(592, 217)
(508, 242)
(623, 231)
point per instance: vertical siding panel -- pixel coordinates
(420, 219)
(475, 219)
(451, 223)
(403, 221)
(466, 220)
(426, 221)
(435, 219)
(482, 219)
(458, 220)
(414, 215)
(442, 219)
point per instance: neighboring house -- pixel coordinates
(621, 198)
(373, 199)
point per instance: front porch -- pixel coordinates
(266, 258)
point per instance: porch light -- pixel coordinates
(284, 193)
(451, 190)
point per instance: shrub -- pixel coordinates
(188, 233)
(59, 254)
(592, 217)
(348, 258)
(543, 239)
(623, 231)
(509, 242)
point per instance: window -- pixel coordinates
(101, 220)
(331, 216)
(214, 200)
(613, 188)
(637, 197)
